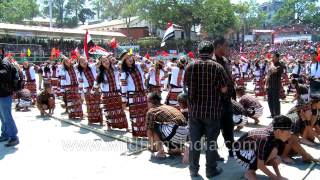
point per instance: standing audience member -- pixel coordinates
(206, 83)
(227, 125)
(8, 76)
(273, 85)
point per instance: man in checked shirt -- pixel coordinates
(206, 84)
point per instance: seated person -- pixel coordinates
(316, 115)
(251, 105)
(258, 148)
(46, 100)
(300, 133)
(165, 125)
(24, 100)
(239, 115)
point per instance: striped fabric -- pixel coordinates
(74, 105)
(204, 80)
(180, 135)
(94, 111)
(32, 87)
(138, 108)
(113, 111)
(172, 96)
(244, 157)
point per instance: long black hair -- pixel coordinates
(46, 68)
(102, 70)
(125, 68)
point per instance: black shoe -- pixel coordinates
(194, 174)
(12, 142)
(3, 139)
(220, 158)
(214, 173)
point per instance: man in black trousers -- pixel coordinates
(227, 126)
(273, 85)
(206, 83)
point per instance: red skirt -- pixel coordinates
(32, 87)
(138, 108)
(259, 88)
(56, 86)
(73, 100)
(172, 97)
(94, 111)
(114, 113)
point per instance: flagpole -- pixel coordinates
(50, 11)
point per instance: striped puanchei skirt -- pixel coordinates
(113, 110)
(73, 99)
(239, 120)
(32, 87)
(246, 158)
(172, 96)
(259, 88)
(94, 111)
(172, 135)
(138, 108)
(56, 86)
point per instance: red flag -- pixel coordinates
(57, 53)
(147, 56)
(87, 39)
(318, 58)
(191, 55)
(113, 43)
(22, 55)
(164, 53)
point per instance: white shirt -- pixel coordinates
(83, 78)
(314, 72)
(130, 84)
(32, 73)
(174, 76)
(104, 86)
(65, 77)
(152, 75)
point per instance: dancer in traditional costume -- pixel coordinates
(29, 74)
(55, 81)
(70, 88)
(109, 83)
(176, 83)
(237, 73)
(46, 72)
(87, 79)
(133, 91)
(156, 77)
(46, 100)
(259, 88)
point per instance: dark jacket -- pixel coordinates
(8, 75)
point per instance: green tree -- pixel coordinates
(182, 12)
(85, 14)
(58, 10)
(15, 11)
(128, 11)
(73, 7)
(217, 17)
(297, 12)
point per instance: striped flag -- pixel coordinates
(87, 39)
(168, 34)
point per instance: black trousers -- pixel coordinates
(227, 125)
(209, 128)
(274, 101)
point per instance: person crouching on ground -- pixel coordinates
(166, 125)
(46, 100)
(24, 100)
(251, 105)
(258, 148)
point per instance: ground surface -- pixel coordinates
(50, 148)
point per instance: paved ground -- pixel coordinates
(50, 148)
